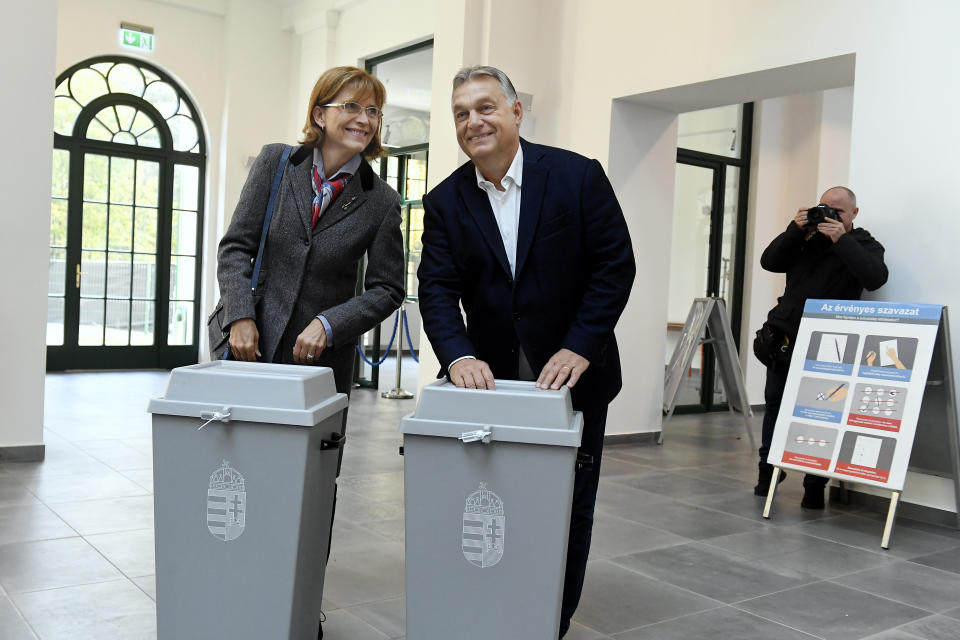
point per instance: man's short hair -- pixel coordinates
(467, 74)
(849, 192)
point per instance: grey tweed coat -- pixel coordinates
(306, 272)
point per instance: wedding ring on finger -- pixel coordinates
(309, 356)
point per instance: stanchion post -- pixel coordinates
(398, 392)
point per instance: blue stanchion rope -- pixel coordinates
(386, 353)
(406, 326)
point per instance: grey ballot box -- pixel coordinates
(488, 481)
(242, 506)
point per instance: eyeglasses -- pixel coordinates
(354, 109)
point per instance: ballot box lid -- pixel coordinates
(252, 392)
(514, 412)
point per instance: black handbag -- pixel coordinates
(773, 348)
(218, 332)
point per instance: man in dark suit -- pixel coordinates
(532, 242)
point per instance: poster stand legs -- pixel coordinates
(707, 325)
(774, 481)
(891, 515)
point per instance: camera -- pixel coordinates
(819, 213)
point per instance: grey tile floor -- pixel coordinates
(680, 550)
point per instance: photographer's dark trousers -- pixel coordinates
(772, 396)
(585, 486)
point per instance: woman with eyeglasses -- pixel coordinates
(330, 212)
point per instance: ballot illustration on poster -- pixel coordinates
(877, 407)
(832, 352)
(821, 399)
(888, 357)
(854, 389)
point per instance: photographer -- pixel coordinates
(824, 256)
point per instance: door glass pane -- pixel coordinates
(121, 180)
(91, 322)
(125, 115)
(185, 187)
(163, 97)
(58, 268)
(145, 230)
(118, 323)
(141, 123)
(121, 227)
(58, 223)
(183, 236)
(141, 322)
(57, 274)
(94, 226)
(414, 246)
(716, 131)
(118, 275)
(182, 277)
(61, 173)
(393, 176)
(125, 78)
(148, 183)
(92, 274)
(65, 112)
(95, 176)
(181, 323)
(96, 131)
(690, 244)
(87, 84)
(149, 138)
(54, 321)
(416, 176)
(144, 276)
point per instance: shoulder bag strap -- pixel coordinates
(268, 215)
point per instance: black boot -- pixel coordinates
(812, 498)
(763, 481)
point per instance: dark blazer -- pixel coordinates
(574, 271)
(817, 267)
(307, 271)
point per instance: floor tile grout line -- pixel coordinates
(877, 595)
(873, 595)
(638, 572)
(762, 617)
(726, 606)
(652, 624)
(23, 617)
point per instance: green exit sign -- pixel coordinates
(136, 37)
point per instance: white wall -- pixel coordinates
(890, 165)
(643, 154)
(25, 168)
(793, 153)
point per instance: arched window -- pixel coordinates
(126, 218)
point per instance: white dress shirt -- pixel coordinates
(506, 211)
(506, 205)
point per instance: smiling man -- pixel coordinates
(531, 241)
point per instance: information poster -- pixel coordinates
(854, 389)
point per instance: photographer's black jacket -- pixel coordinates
(819, 268)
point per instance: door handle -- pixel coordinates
(79, 273)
